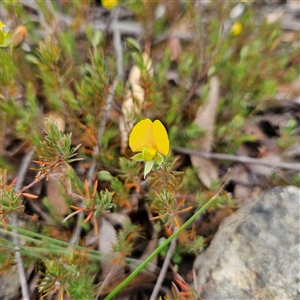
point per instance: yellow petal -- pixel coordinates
(109, 3)
(141, 136)
(2, 25)
(161, 138)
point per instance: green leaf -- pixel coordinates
(138, 59)
(159, 158)
(31, 58)
(4, 39)
(148, 167)
(133, 45)
(104, 175)
(138, 157)
(97, 39)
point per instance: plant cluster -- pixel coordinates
(60, 96)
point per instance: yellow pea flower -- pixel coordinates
(2, 25)
(151, 140)
(153, 136)
(237, 28)
(4, 37)
(109, 4)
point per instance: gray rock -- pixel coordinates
(256, 252)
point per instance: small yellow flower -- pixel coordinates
(4, 37)
(152, 136)
(109, 4)
(151, 140)
(2, 25)
(237, 28)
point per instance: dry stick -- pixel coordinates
(119, 53)
(164, 268)
(241, 159)
(22, 275)
(118, 46)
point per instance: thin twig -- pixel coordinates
(106, 280)
(74, 213)
(96, 150)
(38, 179)
(119, 53)
(21, 270)
(23, 169)
(241, 159)
(202, 74)
(101, 130)
(206, 61)
(106, 112)
(20, 265)
(118, 45)
(77, 231)
(164, 268)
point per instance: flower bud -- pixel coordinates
(237, 28)
(19, 35)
